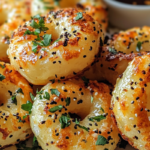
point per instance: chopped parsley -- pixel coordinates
(102, 109)
(97, 118)
(56, 2)
(82, 127)
(67, 100)
(2, 77)
(112, 50)
(101, 140)
(65, 121)
(56, 108)
(20, 91)
(92, 98)
(39, 92)
(55, 91)
(27, 106)
(31, 96)
(47, 39)
(79, 16)
(46, 96)
(38, 28)
(138, 46)
(2, 66)
(14, 99)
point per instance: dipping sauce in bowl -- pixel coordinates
(125, 14)
(135, 2)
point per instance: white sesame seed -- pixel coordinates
(63, 87)
(131, 118)
(96, 93)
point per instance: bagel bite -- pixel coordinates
(58, 46)
(118, 52)
(12, 9)
(12, 14)
(95, 8)
(14, 91)
(74, 114)
(130, 102)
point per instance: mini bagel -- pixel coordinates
(130, 103)
(16, 12)
(14, 91)
(76, 99)
(12, 9)
(75, 40)
(118, 52)
(6, 31)
(95, 8)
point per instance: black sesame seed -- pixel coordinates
(80, 101)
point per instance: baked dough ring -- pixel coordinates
(95, 8)
(12, 9)
(118, 52)
(73, 93)
(74, 46)
(131, 104)
(12, 14)
(11, 130)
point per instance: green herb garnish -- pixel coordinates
(79, 16)
(31, 96)
(2, 66)
(39, 92)
(64, 120)
(2, 77)
(47, 39)
(57, 2)
(46, 96)
(101, 140)
(14, 99)
(82, 127)
(20, 91)
(92, 98)
(67, 100)
(138, 46)
(102, 109)
(55, 91)
(112, 50)
(97, 118)
(56, 108)
(27, 107)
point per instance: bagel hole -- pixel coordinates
(4, 95)
(80, 111)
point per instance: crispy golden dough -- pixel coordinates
(46, 125)
(118, 52)
(11, 130)
(131, 104)
(95, 8)
(74, 51)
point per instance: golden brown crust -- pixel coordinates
(74, 51)
(13, 127)
(118, 52)
(131, 103)
(73, 137)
